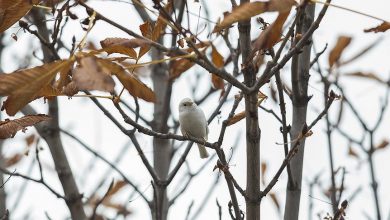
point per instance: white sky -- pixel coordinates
(81, 117)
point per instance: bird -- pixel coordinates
(193, 123)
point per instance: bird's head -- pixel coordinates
(186, 104)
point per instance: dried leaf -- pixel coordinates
(129, 81)
(216, 57)
(22, 86)
(70, 90)
(248, 10)
(91, 76)
(161, 22)
(352, 153)
(8, 128)
(120, 208)
(12, 11)
(116, 188)
(48, 92)
(30, 139)
(129, 43)
(383, 144)
(200, 45)
(217, 60)
(13, 160)
(64, 79)
(366, 75)
(271, 35)
(335, 53)
(146, 30)
(123, 46)
(263, 170)
(236, 118)
(275, 200)
(178, 67)
(381, 28)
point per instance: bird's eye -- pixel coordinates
(185, 104)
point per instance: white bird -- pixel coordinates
(193, 123)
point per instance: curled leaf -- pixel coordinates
(381, 28)
(335, 53)
(178, 67)
(236, 118)
(217, 60)
(129, 81)
(250, 9)
(22, 86)
(271, 35)
(8, 128)
(352, 152)
(91, 76)
(12, 11)
(382, 145)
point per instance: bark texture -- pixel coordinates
(252, 127)
(300, 78)
(50, 132)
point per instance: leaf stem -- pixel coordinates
(348, 9)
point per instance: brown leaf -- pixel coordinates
(352, 153)
(275, 200)
(236, 118)
(178, 67)
(271, 35)
(91, 76)
(30, 139)
(129, 43)
(383, 144)
(123, 46)
(65, 74)
(48, 92)
(216, 57)
(22, 86)
(248, 10)
(13, 10)
(200, 45)
(13, 160)
(70, 90)
(116, 188)
(8, 128)
(129, 81)
(161, 22)
(335, 53)
(263, 170)
(366, 75)
(146, 30)
(381, 28)
(218, 82)
(217, 60)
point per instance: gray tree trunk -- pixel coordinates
(49, 131)
(162, 148)
(252, 127)
(300, 78)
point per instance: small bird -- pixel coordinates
(193, 123)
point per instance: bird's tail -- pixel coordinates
(202, 151)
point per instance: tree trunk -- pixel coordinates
(49, 131)
(162, 148)
(300, 78)
(252, 127)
